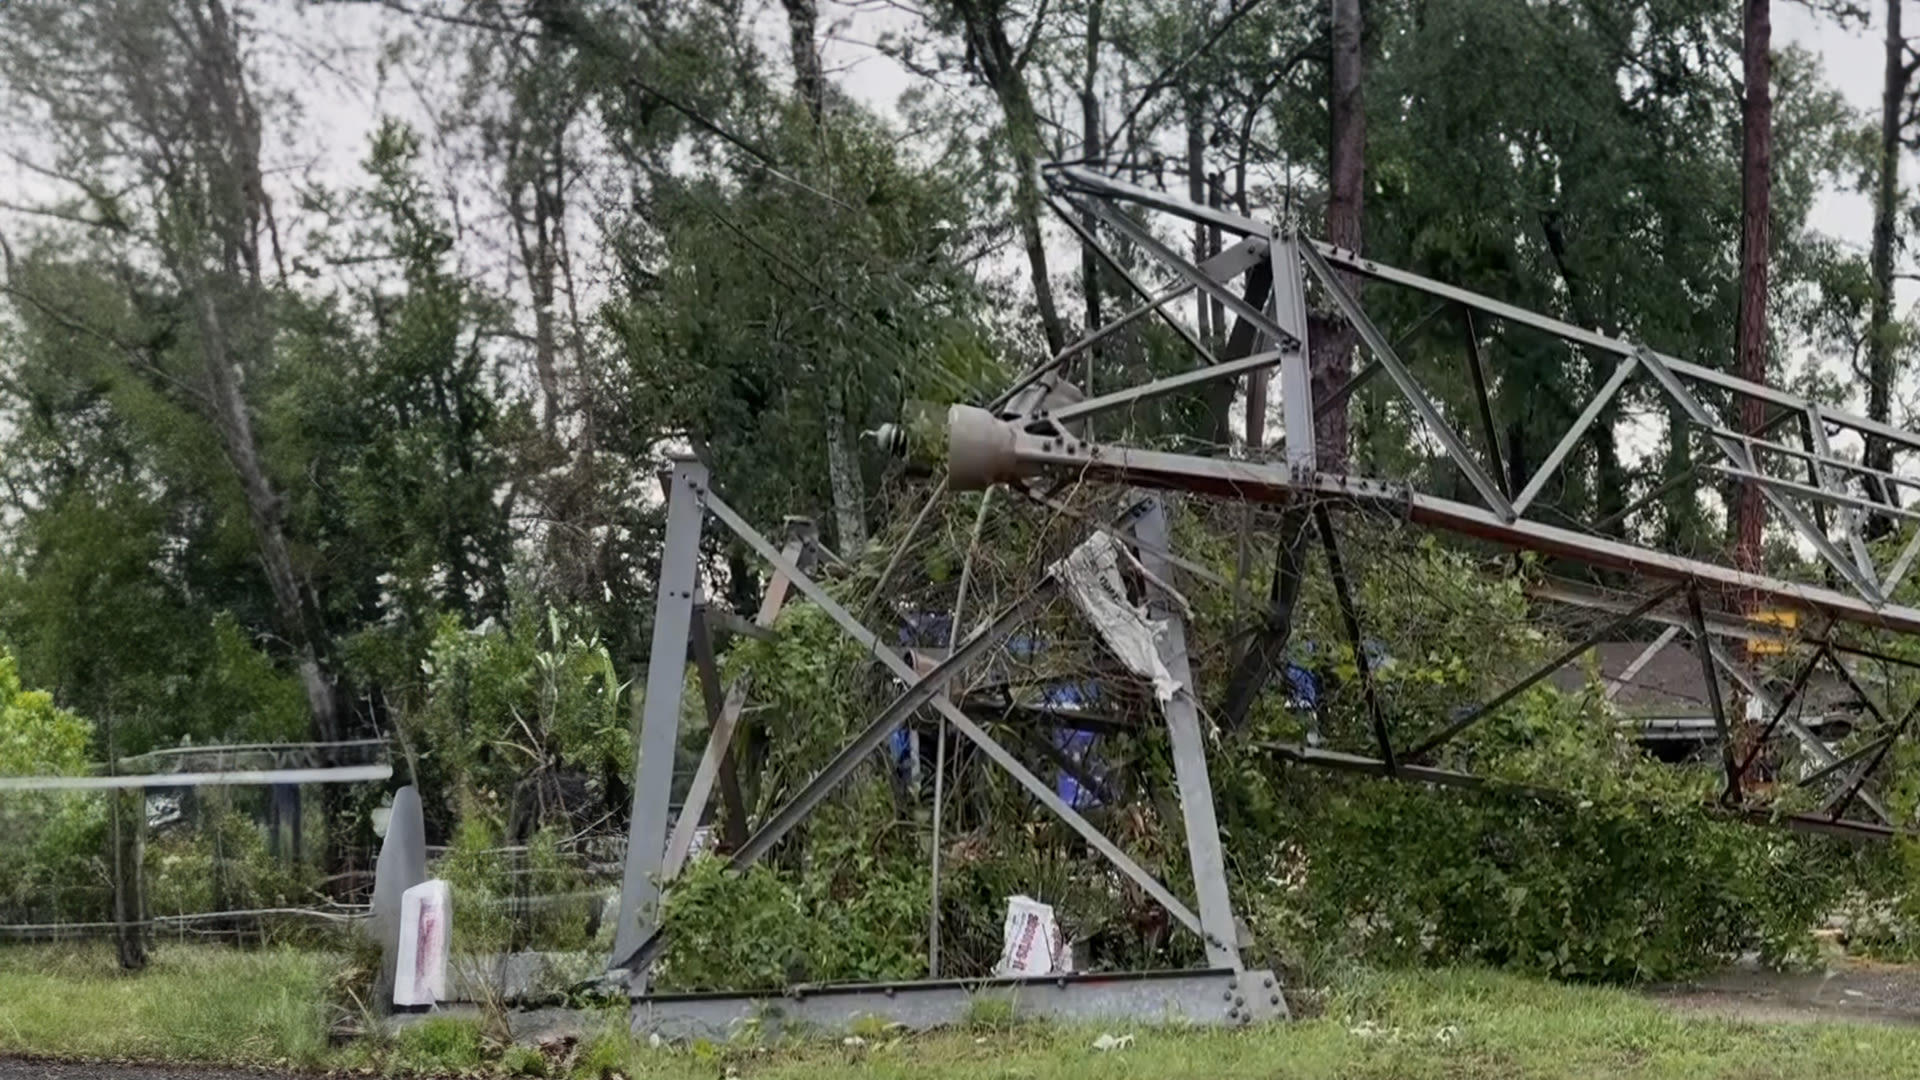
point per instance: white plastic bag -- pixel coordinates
(1091, 573)
(426, 924)
(1031, 942)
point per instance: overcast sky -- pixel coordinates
(1854, 61)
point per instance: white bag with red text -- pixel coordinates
(426, 924)
(1031, 943)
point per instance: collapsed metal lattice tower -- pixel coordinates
(1035, 431)
(1709, 601)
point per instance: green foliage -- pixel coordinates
(442, 1045)
(50, 864)
(990, 1013)
(120, 620)
(515, 900)
(1618, 872)
(851, 916)
(520, 1060)
(1588, 890)
(401, 443)
(511, 710)
(219, 861)
(760, 308)
(811, 675)
(37, 739)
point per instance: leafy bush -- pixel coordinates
(533, 898)
(852, 916)
(51, 865)
(520, 720)
(1622, 874)
(1595, 892)
(220, 862)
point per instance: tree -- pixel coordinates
(983, 24)
(1332, 346)
(843, 465)
(776, 292)
(1756, 183)
(157, 130)
(1881, 333)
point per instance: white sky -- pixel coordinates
(1854, 61)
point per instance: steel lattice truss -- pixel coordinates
(1265, 279)
(1034, 433)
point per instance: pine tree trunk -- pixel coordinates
(802, 19)
(1886, 199)
(843, 473)
(1092, 146)
(1197, 193)
(843, 462)
(1332, 346)
(1750, 345)
(1755, 190)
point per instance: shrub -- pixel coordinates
(51, 864)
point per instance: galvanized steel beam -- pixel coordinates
(1188, 744)
(660, 715)
(1213, 998)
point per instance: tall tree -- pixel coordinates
(991, 52)
(151, 101)
(1332, 347)
(1756, 189)
(843, 463)
(1881, 332)
(1092, 147)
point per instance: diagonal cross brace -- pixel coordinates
(720, 737)
(1133, 231)
(1711, 680)
(1858, 778)
(1474, 715)
(1094, 245)
(1808, 740)
(870, 738)
(1621, 372)
(901, 670)
(1225, 266)
(1632, 672)
(1825, 478)
(1737, 453)
(1383, 351)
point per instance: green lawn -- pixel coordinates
(194, 1003)
(268, 1007)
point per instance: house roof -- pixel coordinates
(1672, 684)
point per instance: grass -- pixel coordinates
(194, 1003)
(269, 1008)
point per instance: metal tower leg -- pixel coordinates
(1189, 745)
(660, 720)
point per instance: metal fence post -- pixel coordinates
(660, 718)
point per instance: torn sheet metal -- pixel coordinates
(1091, 573)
